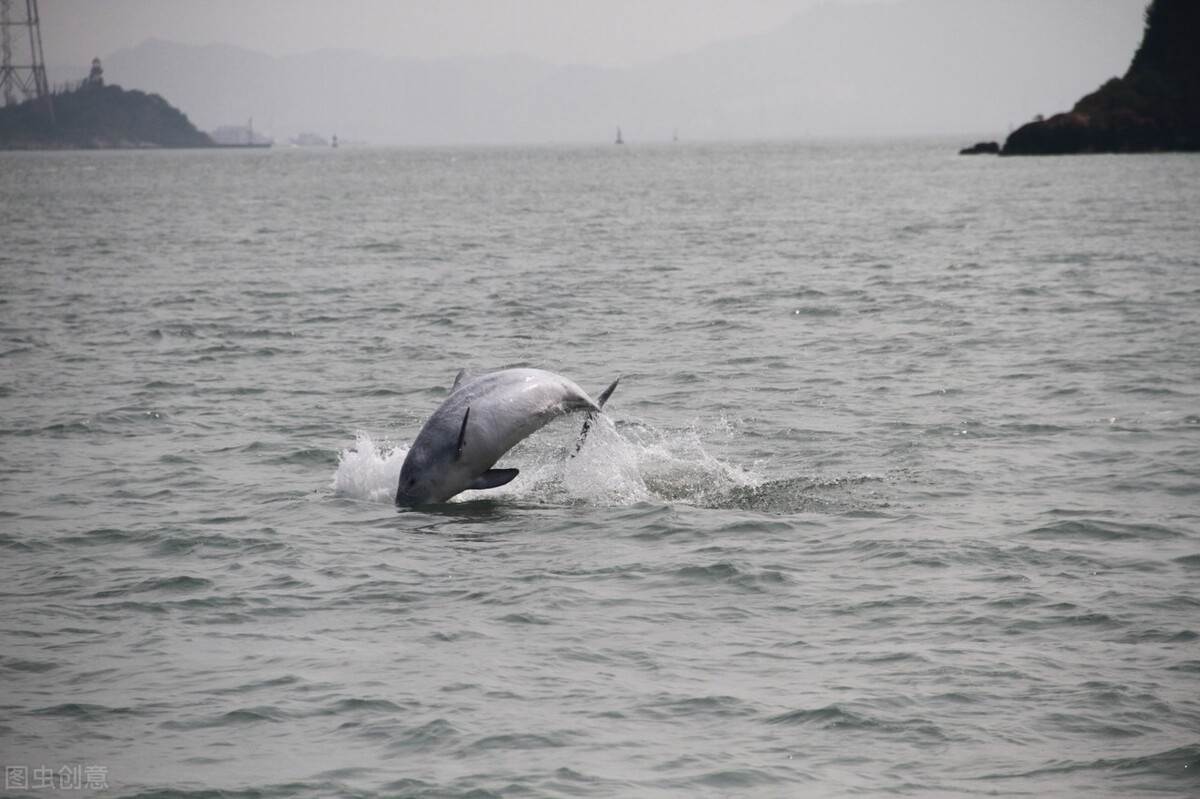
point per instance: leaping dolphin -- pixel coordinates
(483, 418)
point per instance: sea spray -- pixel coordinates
(606, 470)
(369, 470)
(675, 465)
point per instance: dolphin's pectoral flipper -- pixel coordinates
(493, 478)
(462, 434)
(587, 423)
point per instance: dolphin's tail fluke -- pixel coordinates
(587, 423)
(606, 393)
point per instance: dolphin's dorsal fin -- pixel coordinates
(493, 478)
(462, 434)
(466, 376)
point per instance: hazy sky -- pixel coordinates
(785, 68)
(597, 32)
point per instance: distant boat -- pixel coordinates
(619, 139)
(238, 136)
(310, 140)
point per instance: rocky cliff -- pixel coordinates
(1154, 107)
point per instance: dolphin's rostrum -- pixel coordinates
(483, 418)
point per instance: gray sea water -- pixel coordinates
(899, 493)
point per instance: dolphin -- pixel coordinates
(483, 418)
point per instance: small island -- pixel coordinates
(97, 116)
(981, 148)
(1155, 107)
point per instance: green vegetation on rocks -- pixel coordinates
(97, 116)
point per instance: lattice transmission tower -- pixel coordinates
(28, 75)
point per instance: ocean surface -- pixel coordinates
(899, 494)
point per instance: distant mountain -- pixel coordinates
(353, 94)
(908, 67)
(1155, 106)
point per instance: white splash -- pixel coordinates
(606, 470)
(368, 470)
(675, 465)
